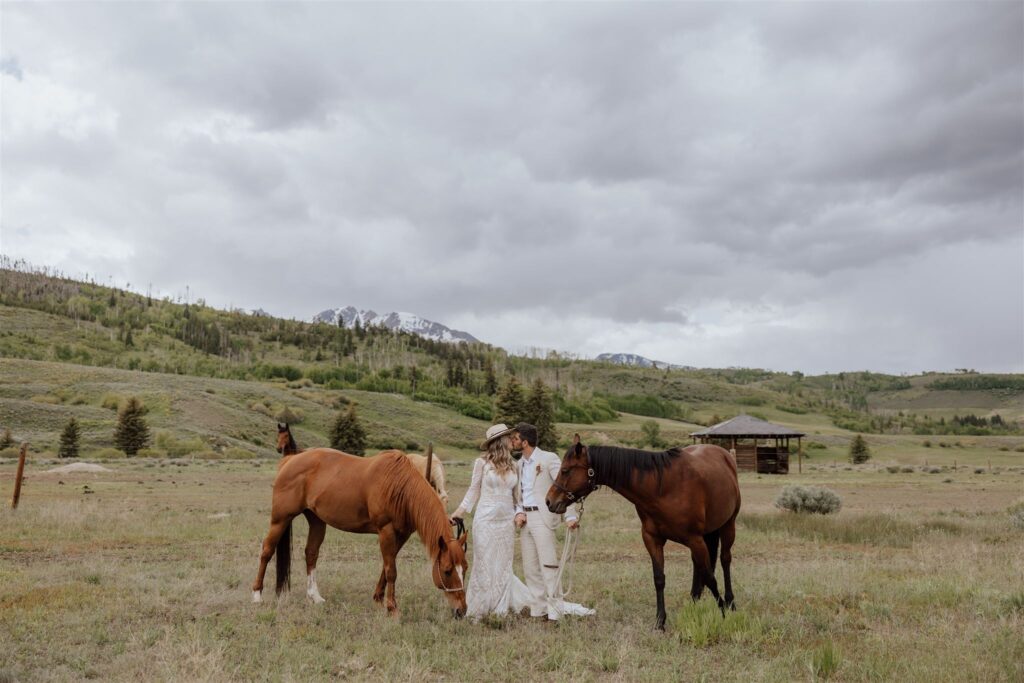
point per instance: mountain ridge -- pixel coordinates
(348, 316)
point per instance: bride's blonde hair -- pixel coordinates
(499, 454)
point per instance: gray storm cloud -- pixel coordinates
(813, 187)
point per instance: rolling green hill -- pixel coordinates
(217, 380)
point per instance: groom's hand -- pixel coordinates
(573, 524)
(520, 520)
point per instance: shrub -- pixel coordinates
(151, 453)
(906, 469)
(262, 408)
(46, 398)
(979, 470)
(926, 443)
(892, 469)
(289, 415)
(207, 455)
(176, 448)
(932, 470)
(808, 499)
(234, 453)
(815, 446)
(104, 454)
(111, 402)
(652, 434)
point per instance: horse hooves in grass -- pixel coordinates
(257, 597)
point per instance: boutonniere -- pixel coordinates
(538, 468)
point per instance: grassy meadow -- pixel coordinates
(143, 573)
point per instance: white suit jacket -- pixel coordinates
(549, 465)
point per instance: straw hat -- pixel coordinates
(495, 432)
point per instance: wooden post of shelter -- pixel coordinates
(799, 455)
(430, 459)
(18, 475)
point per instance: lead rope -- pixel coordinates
(572, 540)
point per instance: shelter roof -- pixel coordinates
(745, 426)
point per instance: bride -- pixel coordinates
(494, 490)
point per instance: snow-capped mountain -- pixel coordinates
(347, 317)
(636, 361)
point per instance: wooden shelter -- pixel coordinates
(743, 436)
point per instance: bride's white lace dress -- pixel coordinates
(493, 588)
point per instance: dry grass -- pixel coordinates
(147, 578)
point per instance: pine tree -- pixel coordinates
(348, 434)
(540, 412)
(510, 408)
(490, 380)
(69, 440)
(6, 439)
(132, 433)
(859, 451)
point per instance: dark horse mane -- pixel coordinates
(413, 501)
(614, 466)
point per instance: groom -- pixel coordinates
(537, 470)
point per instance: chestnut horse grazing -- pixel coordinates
(286, 446)
(382, 494)
(688, 495)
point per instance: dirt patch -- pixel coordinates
(78, 467)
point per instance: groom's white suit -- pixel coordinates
(540, 555)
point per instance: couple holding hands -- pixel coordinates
(509, 495)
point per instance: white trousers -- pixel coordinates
(540, 567)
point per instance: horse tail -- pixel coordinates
(284, 559)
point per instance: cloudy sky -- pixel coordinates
(815, 187)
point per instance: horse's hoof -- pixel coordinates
(316, 599)
(257, 597)
(378, 598)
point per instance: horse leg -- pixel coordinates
(279, 534)
(656, 548)
(378, 593)
(728, 537)
(711, 541)
(702, 562)
(317, 531)
(389, 553)
(696, 587)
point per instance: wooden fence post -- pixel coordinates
(18, 476)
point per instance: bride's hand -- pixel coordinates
(520, 520)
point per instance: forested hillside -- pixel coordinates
(64, 322)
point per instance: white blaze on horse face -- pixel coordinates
(458, 570)
(311, 590)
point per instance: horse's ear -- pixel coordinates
(281, 427)
(442, 544)
(463, 539)
(575, 439)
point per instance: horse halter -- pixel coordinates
(460, 528)
(592, 485)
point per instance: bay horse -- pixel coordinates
(381, 494)
(285, 441)
(688, 495)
